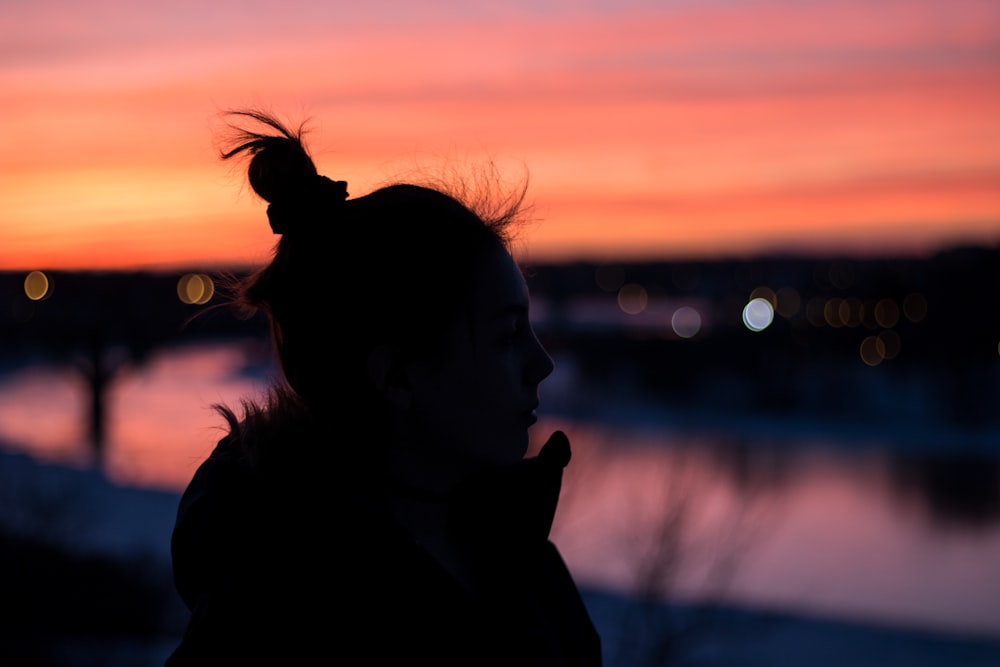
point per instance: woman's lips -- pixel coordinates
(531, 415)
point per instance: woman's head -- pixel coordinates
(392, 270)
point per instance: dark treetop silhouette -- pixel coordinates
(379, 504)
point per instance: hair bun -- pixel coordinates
(281, 170)
(282, 173)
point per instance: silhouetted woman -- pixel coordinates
(377, 507)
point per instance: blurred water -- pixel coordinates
(806, 521)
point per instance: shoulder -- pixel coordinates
(212, 515)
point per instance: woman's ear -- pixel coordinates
(388, 376)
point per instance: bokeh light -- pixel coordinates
(195, 289)
(686, 322)
(633, 298)
(37, 286)
(851, 312)
(886, 313)
(876, 349)
(758, 314)
(871, 351)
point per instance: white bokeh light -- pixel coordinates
(758, 314)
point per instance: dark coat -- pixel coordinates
(295, 569)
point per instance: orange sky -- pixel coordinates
(647, 128)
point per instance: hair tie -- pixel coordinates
(315, 203)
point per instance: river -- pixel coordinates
(762, 513)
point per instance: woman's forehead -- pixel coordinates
(500, 285)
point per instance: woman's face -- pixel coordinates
(472, 406)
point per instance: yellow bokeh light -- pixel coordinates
(850, 312)
(195, 289)
(872, 351)
(886, 313)
(832, 311)
(37, 286)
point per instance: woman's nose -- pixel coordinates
(539, 364)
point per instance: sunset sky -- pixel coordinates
(669, 128)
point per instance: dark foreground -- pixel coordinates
(78, 591)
